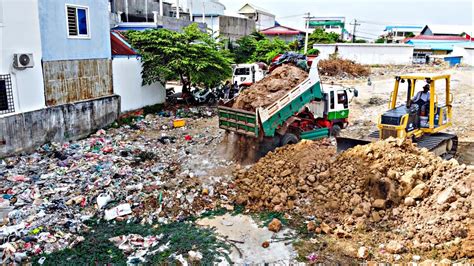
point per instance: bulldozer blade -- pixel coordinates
(347, 143)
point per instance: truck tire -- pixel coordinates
(289, 138)
(336, 130)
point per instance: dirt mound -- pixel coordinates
(271, 88)
(342, 68)
(391, 182)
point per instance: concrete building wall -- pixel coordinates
(467, 54)
(198, 7)
(128, 84)
(20, 33)
(174, 24)
(265, 21)
(234, 27)
(76, 80)
(370, 54)
(139, 10)
(57, 45)
(25, 132)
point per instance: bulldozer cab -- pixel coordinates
(407, 118)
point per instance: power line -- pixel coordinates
(291, 16)
(354, 31)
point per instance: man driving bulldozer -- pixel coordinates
(422, 99)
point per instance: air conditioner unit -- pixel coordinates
(22, 61)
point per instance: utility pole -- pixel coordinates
(354, 31)
(307, 33)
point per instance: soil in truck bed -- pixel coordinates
(271, 88)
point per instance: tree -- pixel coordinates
(191, 56)
(244, 50)
(267, 49)
(380, 40)
(360, 41)
(409, 35)
(320, 36)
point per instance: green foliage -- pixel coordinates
(96, 249)
(320, 36)
(313, 51)
(410, 35)
(267, 49)
(258, 36)
(191, 56)
(360, 41)
(266, 217)
(245, 49)
(380, 40)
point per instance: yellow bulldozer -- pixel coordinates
(421, 117)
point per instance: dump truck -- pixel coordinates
(307, 111)
(425, 124)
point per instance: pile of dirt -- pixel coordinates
(271, 88)
(342, 68)
(427, 201)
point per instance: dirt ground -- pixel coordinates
(373, 100)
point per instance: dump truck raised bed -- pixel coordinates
(307, 111)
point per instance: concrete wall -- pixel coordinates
(467, 54)
(265, 21)
(128, 84)
(25, 132)
(76, 80)
(197, 7)
(234, 27)
(370, 54)
(174, 24)
(54, 34)
(20, 33)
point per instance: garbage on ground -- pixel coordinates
(144, 171)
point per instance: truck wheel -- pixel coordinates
(336, 131)
(289, 138)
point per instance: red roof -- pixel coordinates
(120, 45)
(437, 38)
(281, 30)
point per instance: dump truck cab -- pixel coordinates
(405, 118)
(247, 74)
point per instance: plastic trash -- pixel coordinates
(103, 199)
(118, 211)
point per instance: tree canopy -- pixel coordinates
(256, 47)
(320, 36)
(191, 56)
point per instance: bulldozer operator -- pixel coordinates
(422, 99)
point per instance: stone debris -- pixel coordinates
(271, 88)
(274, 225)
(389, 182)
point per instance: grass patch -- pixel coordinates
(96, 249)
(266, 217)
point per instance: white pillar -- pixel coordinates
(203, 12)
(191, 11)
(146, 10)
(177, 9)
(161, 7)
(126, 9)
(155, 17)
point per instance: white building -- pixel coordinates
(21, 90)
(447, 30)
(466, 51)
(369, 53)
(263, 18)
(396, 34)
(329, 24)
(206, 7)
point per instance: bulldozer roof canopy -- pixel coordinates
(422, 76)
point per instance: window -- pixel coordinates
(6, 95)
(242, 71)
(331, 100)
(342, 98)
(77, 21)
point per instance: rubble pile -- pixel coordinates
(426, 201)
(144, 172)
(342, 68)
(271, 88)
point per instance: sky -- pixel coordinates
(373, 15)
